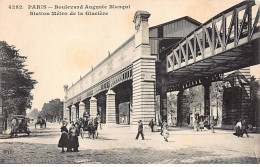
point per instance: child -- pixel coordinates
(63, 142)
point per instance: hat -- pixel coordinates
(65, 123)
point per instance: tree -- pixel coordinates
(172, 103)
(16, 82)
(255, 100)
(53, 110)
(34, 113)
(172, 106)
(195, 98)
(216, 95)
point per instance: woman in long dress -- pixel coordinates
(63, 142)
(165, 132)
(73, 138)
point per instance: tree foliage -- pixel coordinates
(195, 98)
(172, 103)
(52, 110)
(255, 89)
(216, 93)
(17, 82)
(255, 100)
(33, 114)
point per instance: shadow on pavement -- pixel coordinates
(99, 138)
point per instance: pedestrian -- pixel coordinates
(73, 139)
(14, 127)
(80, 123)
(77, 126)
(212, 126)
(161, 124)
(63, 142)
(162, 127)
(140, 130)
(244, 128)
(238, 128)
(198, 125)
(99, 121)
(151, 124)
(92, 126)
(165, 132)
(96, 125)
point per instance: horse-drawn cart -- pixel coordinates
(90, 126)
(40, 122)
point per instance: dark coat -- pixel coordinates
(63, 142)
(73, 138)
(151, 124)
(244, 125)
(140, 127)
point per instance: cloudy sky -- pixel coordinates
(60, 49)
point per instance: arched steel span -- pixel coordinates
(226, 42)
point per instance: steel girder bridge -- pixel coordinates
(228, 41)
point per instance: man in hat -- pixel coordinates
(140, 130)
(244, 128)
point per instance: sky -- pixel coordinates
(60, 49)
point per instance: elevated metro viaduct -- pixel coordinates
(169, 57)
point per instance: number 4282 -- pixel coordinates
(15, 6)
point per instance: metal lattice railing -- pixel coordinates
(233, 27)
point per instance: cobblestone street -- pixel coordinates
(119, 146)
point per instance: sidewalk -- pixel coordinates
(4, 136)
(118, 146)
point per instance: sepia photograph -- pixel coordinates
(129, 82)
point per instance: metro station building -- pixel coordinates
(172, 56)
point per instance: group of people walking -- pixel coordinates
(199, 125)
(164, 129)
(69, 138)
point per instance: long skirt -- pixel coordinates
(74, 142)
(63, 142)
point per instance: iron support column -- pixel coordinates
(207, 98)
(180, 107)
(163, 103)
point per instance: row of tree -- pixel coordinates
(195, 98)
(51, 111)
(16, 82)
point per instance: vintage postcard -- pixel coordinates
(129, 82)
